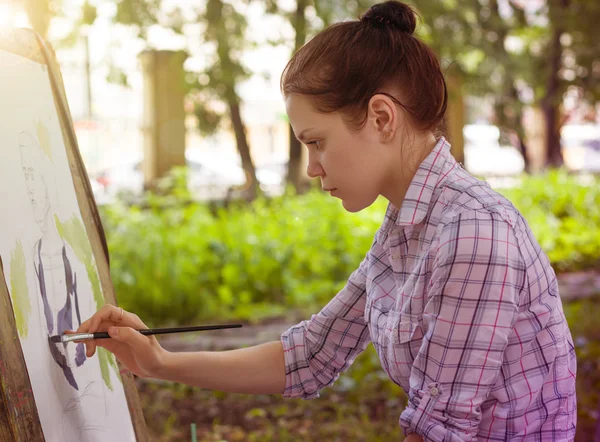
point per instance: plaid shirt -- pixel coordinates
(463, 309)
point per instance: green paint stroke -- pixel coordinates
(19, 290)
(106, 358)
(73, 232)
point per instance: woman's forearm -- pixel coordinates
(254, 370)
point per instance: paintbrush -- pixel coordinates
(147, 332)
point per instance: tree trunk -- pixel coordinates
(550, 105)
(239, 129)
(509, 118)
(551, 102)
(508, 108)
(522, 146)
(295, 152)
(552, 127)
(519, 131)
(233, 100)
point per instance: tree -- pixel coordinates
(477, 54)
(223, 28)
(509, 50)
(572, 46)
(226, 28)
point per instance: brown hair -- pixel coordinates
(349, 62)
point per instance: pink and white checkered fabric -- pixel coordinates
(463, 309)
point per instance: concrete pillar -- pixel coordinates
(163, 121)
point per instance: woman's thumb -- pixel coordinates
(129, 336)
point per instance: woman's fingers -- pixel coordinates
(105, 317)
(84, 327)
(115, 315)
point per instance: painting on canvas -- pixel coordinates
(49, 266)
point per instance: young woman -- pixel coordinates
(455, 293)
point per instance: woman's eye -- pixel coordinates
(317, 144)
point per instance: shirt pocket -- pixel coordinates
(401, 328)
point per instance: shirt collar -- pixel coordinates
(419, 193)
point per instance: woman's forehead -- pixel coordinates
(298, 105)
(303, 114)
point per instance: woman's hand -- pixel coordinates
(141, 354)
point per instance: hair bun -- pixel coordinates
(392, 14)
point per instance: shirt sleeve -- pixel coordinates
(471, 308)
(318, 350)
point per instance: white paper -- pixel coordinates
(48, 267)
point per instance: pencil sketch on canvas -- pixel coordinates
(49, 266)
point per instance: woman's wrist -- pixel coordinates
(165, 366)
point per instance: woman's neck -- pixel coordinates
(405, 166)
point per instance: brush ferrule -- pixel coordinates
(77, 337)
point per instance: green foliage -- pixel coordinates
(140, 13)
(89, 14)
(185, 262)
(175, 262)
(564, 213)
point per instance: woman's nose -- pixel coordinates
(314, 169)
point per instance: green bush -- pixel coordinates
(175, 262)
(186, 262)
(564, 214)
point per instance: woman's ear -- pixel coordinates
(382, 115)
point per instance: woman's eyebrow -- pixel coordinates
(301, 136)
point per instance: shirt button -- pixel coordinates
(434, 391)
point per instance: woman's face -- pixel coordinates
(351, 165)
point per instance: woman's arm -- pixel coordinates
(254, 370)
(258, 369)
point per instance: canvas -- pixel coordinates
(49, 266)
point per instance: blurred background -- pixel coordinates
(208, 212)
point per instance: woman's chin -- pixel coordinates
(357, 204)
(352, 206)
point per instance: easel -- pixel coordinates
(19, 419)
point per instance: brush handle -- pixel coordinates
(164, 331)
